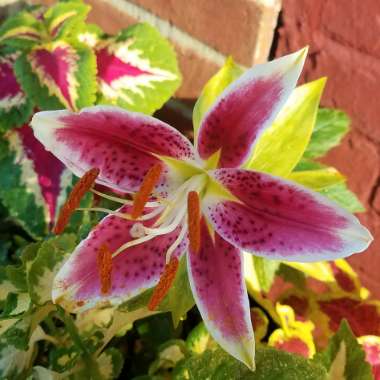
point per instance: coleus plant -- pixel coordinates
(50, 59)
(210, 203)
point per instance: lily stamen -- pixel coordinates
(122, 200)
(194, 221)
(147, 186)
(176, 243)
(104, 262)
(164, 284)
(74, 198)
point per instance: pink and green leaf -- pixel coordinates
(63, 19)
(371, 346)
(293, 336)
(15, 107)
(34, 182)
(21, 31)
(131, 71)
(58, 74)
(344, 358)
(260, 323)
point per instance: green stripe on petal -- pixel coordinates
(282, 145)
(132, 72)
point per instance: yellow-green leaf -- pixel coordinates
(317, 179)
(282, 145)
(213, 88)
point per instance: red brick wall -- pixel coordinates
(343, 36)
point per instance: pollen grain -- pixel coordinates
(163, 286)
(74, 198)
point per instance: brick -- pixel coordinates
(347, 27)
(241, 28)
(358, 159)
(342, 35)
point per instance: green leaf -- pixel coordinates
(42, 373)
(21, 31)
(110, 363)
(146, 74)
(179, 299)
(344, 357)
(48, 261)
(213, 88)
(317, 179)
(199, 339)
(292, 275)
(265, 271)
(47, 89)
(169, 354)
(15, 195)
(330, 128)
(17, 344)
(271, 364)
(282, 145)
(340, 194)
(62, 19)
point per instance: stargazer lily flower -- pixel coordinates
(200, 202)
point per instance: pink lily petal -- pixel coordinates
(77, 285)
(48, 169)
(246, 108)
(122, 144)
(278, 219)
(215, 275)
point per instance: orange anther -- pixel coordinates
(163, 286)
(74, 198)
(104, 262)
(149, 182)
(194, 221)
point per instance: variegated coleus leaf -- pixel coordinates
(33, 183)
(15, 107)
(137, 69)
(344, 358)
(46, 264)
(293, 336)
(22, 31)
(63, 18)
(371, 347)
(18, 343)
(58, 74)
